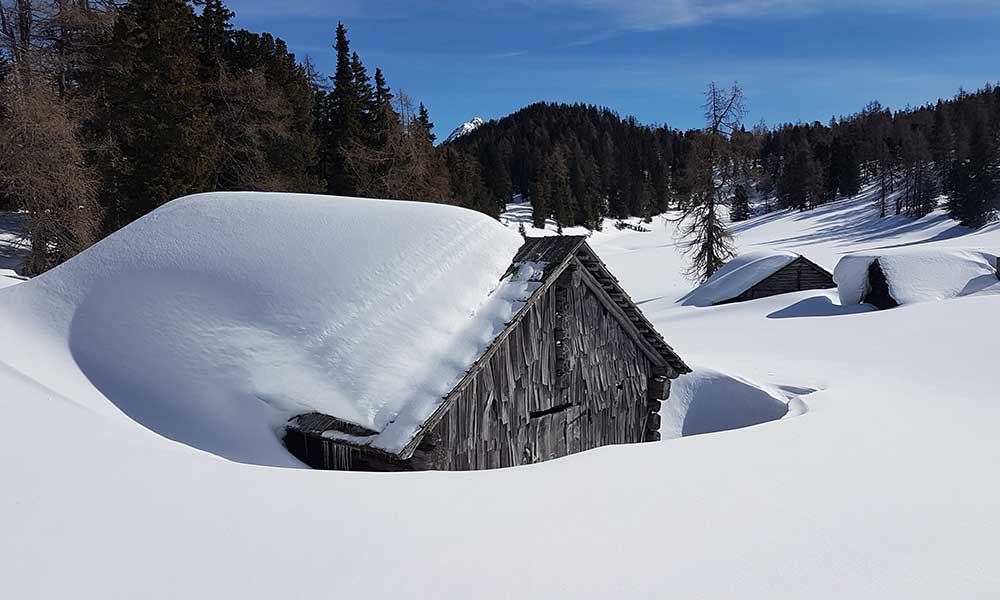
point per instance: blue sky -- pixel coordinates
(797, 60)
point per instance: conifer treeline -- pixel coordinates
(373, 143)
(108, 110)
(578, 163)
(913, 157)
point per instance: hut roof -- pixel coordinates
(917, 274)
(556, 254)
(236, 311)
(739, 275)
(536, 266)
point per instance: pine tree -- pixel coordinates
(424, 120)
(942, 145)
(585, 186)
(977, 183)
(344, 121)
(383, 117)
(799, 187)
(559, 190)
(383, 94)
(155, 110)
(213, 31)
(740, 204)
(924, 183)
(365, 93)
(539, 195)
(845, 171)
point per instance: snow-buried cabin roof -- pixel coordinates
(217, 317)
(537, 264)
(739, 275)
(915, 275)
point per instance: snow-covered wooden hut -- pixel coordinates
(760, 274)
(893, 277)
(577, 366)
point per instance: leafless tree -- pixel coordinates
(250, 113)
(406, 166)
(43, 167)
(707, 241)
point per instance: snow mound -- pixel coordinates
(737, 276)
(465, 129)
(9, 277)
(917, 274)
(218, 316)
(708, 401)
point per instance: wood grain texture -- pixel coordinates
(578, 367)
(800, 274)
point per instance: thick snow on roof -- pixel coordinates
(218, 316)
(738, 275)
(917, 274)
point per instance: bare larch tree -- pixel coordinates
(43, 167)
(707, 241)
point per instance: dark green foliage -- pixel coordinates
(911, 157)
(424, 120)
(616, 166)
(178, 103)
(382, 116)
(844, 171)
(213, 30)
(740, 204)
(342, 120)
(976, 187)
(154, 110)
(799, 186)
(465, 182)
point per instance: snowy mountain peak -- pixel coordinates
(465, 128)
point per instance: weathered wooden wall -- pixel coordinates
(579, 367)
(568, 378)
(797, 276)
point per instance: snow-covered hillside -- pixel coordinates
(464, 129)
(882, 486)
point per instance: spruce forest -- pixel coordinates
(110, 110)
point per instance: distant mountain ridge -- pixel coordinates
(576, 162)
(465, 128)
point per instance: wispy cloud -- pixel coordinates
(636, 15)
(651, 15)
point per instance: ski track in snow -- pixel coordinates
(881, 487)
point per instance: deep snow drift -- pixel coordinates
(884, 488)
(217, 317)
(707, 401)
